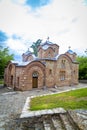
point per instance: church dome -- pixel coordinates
(48, 49)
(70, 51)
(71, 54)
(28, 52)
(47, 44)
(28, 56)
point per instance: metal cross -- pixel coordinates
(69, 47)
(48, 38)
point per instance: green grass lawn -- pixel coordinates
(75, 99)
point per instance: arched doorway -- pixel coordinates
(35, 80)
(12, 80)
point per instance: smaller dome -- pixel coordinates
(70, 51)
(28, 52)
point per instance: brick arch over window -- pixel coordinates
(66, 59)
(39, 68)
(35, 63)
(46, 53)
(64, 70)
(9, 74)
(49, 53)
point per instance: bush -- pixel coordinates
(82, 67)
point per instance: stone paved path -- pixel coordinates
(12, 102)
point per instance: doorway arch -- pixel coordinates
(35, 80)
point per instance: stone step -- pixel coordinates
(80, 122)
(2, 123)
(39, 126)
(66, 122)
(60, 121)
(57, 123)
(47, 126)
(74, 124)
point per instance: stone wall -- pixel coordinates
(50, 73)
(9, 75)
(59, 72)
(48, 70)
(25, 75)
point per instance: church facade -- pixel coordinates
(49, 69)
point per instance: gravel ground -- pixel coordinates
(12, 102)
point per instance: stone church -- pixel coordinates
(49, 69)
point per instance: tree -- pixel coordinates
(35, 46)
(82, 67)
(4, 58)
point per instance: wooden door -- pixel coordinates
(12, 80)
(35, 82)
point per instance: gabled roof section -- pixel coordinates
(65, 55)
(51, 59)
(18, 63)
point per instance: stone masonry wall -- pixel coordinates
(50, 73)
(25, 75)
(9, 76)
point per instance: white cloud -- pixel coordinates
(16, 46)
(64, 21)
(18, 1)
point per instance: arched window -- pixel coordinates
(10, 68)
(49, 55)
(62, 75)
(63, 64)
(35, 74)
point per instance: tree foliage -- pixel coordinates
(4, 58)
(82, 67)
(35, 46)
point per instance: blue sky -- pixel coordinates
(24, 21)
(85, 2)
(37, 3)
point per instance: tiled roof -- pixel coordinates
(70, 51)
(28, 52)
(20, 63)
(52, 59)
(47, 42)
(45, 47)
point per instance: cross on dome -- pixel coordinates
(48, 38)
(69, 47)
